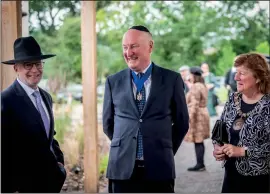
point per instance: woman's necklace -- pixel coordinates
(238, 123)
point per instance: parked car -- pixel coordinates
(77, 96)
(62, 96)
(76, 91)
(220, 81)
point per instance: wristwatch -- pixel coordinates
(246, 151)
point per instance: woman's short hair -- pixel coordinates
(258, 65)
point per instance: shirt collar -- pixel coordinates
(144, 69)
(26, 88)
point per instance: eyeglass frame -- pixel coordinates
(39, 65)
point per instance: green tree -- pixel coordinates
(225, 62)
(182, 31)
(47, 13)
(263, 48)
(50, 13)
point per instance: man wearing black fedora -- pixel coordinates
(31, 158)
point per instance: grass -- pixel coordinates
(79, 136)
(72, 141)
(222, 94)
(103, 164)
(62, 123)
(70, 149)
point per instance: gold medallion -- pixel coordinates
(139, 96)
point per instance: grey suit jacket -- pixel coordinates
(163, 122)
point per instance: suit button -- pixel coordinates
(140, 120)
(134, 138)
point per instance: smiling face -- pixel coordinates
(184, 74)
(137, 49)
(205, 68)
(30, 73)
(245, 79)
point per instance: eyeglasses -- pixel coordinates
(29, 66)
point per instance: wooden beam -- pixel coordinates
(89, 81)
(11, 18)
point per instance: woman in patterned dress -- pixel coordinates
(247, 118)
(199, 124)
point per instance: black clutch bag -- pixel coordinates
(219, 133)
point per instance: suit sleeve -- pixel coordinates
(9, 152)
(179, 114)
(261, 150)
(227, 77)
(59, 154)
(55, 145)
(108, 111)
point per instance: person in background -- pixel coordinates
(145, 116)
(230, 82)
(32, 161)
(199, 120)
(184, 72)
(267, 59)
(210, 81)
(247, 118)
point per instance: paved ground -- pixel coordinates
(209, 181)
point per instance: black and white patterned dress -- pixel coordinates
(251, 173)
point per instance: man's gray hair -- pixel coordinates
(183, 68)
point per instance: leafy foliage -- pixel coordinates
(50, 13)
(184, 32)
(226, 59)
(263, 48)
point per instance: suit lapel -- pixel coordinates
(156, 84)
(30, 107)
(129, 89)
(47, 104)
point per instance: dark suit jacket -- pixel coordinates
(164, 123)
(229, 80)
(28, 164)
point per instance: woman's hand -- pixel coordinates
(210, 86)
(218, 153)
(233, 151)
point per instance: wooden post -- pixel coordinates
(11, 18)
(89, 81)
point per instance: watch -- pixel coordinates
(246, 151)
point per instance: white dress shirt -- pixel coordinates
(147, 84)
(30, 92)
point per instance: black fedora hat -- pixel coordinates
(26, 49)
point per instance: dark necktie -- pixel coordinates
(140, 102)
